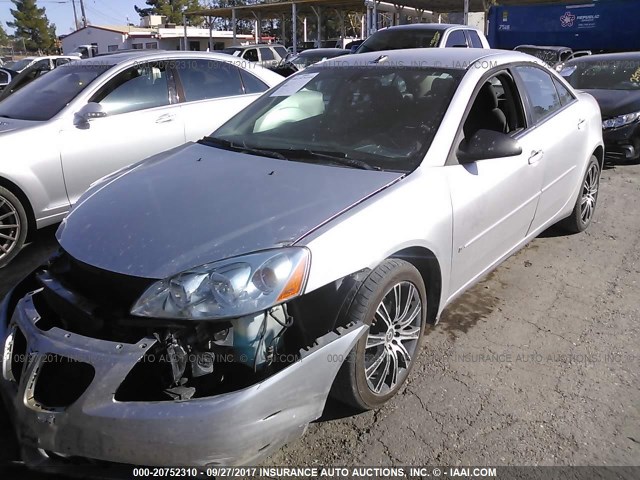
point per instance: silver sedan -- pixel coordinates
(205, 303)
(91, 117)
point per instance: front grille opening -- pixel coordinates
(62, 381)
(18, 354)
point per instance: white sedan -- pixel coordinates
(225, 288)
(91, 117)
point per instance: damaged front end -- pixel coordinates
(87, 381)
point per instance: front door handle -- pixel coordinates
(167, 117)
(581, 123)
(536, 156)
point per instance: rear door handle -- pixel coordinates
(167, 117)
(581, 123)
(536, 156)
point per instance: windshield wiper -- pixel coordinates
(219, 142)
(335, 157)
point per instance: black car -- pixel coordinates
(300, 61)
(554, 56)
(614, 81)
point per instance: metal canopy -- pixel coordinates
(284, 7)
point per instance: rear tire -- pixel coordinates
(13, 226)
(393, 302)
(585, 206)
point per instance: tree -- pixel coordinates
(172, 10)
(32, 25)
(4, 38)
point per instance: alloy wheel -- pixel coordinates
(9, 227)
(589, 194)
(393, 338)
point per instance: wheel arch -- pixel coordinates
(599, 154)
(19, 193)
(429, 267)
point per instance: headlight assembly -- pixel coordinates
(620, 120)
(229, 288)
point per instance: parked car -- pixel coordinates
(553, 56)
(353, 46)
(89, 118)
(300, 61)
(424, 35)
(266, 55)
(50, 61)
(614, 81)
(218, 287)
(29, 74)
(6, 75)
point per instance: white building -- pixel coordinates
(109, 38)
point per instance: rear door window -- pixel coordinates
(543, 97)
(565, 95)
(266, 54)
(252, 84)
(205, 79)
(474, 39)
(456, 39)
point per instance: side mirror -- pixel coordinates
(89, 112)
(486, 144)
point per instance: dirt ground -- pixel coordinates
(537, 365)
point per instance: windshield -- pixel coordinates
(46, 96)
(381, 118)
(236, 52)
(394, 39)
(21, 64)
(303, 60)
(622, 74)
(550, 57)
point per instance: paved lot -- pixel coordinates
(537, 365)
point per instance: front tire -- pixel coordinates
(585, 206)
(393, 302)
(13, 226)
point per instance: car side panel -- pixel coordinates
(414, 212)
(34, 166)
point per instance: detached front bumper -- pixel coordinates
(234, 428)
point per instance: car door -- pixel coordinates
(142, 119)
(556, 118)
(212, 92)
(494, 200)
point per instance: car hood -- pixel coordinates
(616, 102)
(198, 204)
(10, 124)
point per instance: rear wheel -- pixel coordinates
(393, 302)
(585, 206)
(13, 226)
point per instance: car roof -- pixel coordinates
(158, 55)
(454, 58)
(325, 51)
(244, 47)
(429, 26)
(600, 57)
(544, 47)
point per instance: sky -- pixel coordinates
(99, 12)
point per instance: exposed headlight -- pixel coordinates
(620, 120)
(229, 288)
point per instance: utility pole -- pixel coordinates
(75, 15)
(84, 16)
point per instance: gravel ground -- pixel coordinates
(537, 365)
